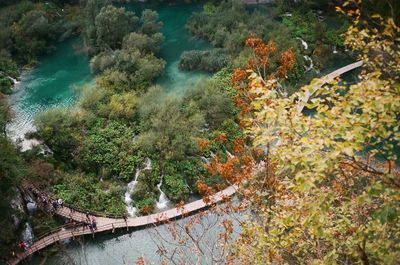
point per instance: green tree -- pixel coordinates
(150, 23)
(59, 129)
(112, 24)
(168, 131)
(89, 33)
(144, 43)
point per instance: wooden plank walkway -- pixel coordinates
(105, 223)
(326, 79)
(110, 224)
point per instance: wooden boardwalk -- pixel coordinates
(107, 223)
(110, 224)
(317, 83)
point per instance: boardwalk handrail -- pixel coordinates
(319, 82)
(51, 197)
(112, 224)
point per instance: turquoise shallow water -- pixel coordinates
(52, 82)
(177, 40)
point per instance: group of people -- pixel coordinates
(90, 221)
(38, 196)
(57, 204)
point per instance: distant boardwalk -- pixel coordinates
(110, 223)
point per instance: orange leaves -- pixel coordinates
(238, 76)
(221, 138)
(236, 168)
(253, 41)
(203, 188)
(238, 146)
(263, 51)
(286, 63)
(259, 75)
(203, 143)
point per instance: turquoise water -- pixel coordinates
(177, 40)
(126, 247)
(52, 82)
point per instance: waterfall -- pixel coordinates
(147, 163)
(205, 160)
(163, 201)
(15, 81)
(31, 206)
(311, 66)
(305, 44)
(27, 234)
(335, 50)
(127, 197)
(131, 187)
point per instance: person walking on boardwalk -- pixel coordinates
(60, 203)
(23, 245)
(94, 223)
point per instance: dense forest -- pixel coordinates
(328, 190)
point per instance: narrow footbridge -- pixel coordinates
(110, 222)
(77, 228)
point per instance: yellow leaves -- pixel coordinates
(348, 151)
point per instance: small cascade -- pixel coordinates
(205, 160)
(131, 187)
(27, 234)
(311, 66)
(127, 197)
(31, 206)
(335, 50)
(15, 81)
(163, 201)
(147, 163)
(304, 43)
(229, 154)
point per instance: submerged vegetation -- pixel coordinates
(312, 181)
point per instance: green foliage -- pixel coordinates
(87, 192)
(128, 63)
(175, 188)
(5, 115)
(89, 32)
(150, 24)
(130, 67)
(112, 25)
(144, 43)
(145, 205)
(12, 170)
(58, 129)
(167, 129)
(213, 101)
(211, 61)
(108, 150)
